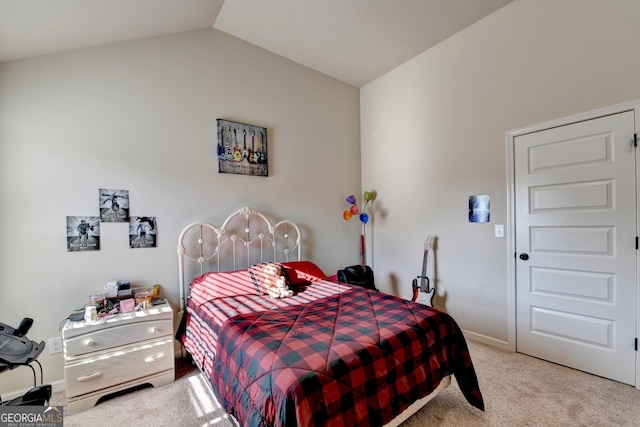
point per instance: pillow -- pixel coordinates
(270, 278)
(221, 284)
(302, 273)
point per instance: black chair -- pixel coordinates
(18, 350)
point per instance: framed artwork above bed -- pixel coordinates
(242, 149)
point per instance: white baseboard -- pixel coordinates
(488, 340)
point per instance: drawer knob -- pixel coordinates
(89, 343)
(155, 329)
(89, 377)
(152, 359)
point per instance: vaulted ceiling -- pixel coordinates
(354, 41)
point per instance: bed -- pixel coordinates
(330, 354)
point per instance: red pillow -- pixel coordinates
(301, 273)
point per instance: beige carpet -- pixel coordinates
(518, 391)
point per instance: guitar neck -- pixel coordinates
(424, 263)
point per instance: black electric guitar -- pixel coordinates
(422, 290)
(253, 156)
(262, 155)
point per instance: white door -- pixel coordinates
(576, 245)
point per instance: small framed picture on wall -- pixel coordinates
(479, 208)
(242, 149)
(83, 233)
(142, 232)
(114, 205)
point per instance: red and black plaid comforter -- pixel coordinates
(357, 358)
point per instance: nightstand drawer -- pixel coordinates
(115, 336)
(100, 371)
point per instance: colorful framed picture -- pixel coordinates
(242, 149)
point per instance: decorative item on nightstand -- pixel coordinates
(96, 299)
(124, 289)
(143, 298)
(111, 288)
(127, 305)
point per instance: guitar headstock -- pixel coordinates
(428, 243)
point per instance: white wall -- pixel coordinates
(141, 116)
(433, 134)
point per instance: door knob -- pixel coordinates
(524, 256)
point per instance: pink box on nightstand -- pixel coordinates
(127, 305)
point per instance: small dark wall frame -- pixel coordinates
(242, 149)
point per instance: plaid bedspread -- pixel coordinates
(200, 326)
(356, 358)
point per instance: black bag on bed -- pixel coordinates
(358, 275)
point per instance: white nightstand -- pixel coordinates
(120, 352)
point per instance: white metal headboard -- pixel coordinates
(245, 238)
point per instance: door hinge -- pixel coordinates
(635, 139)
(637, 243)
(636, 344)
